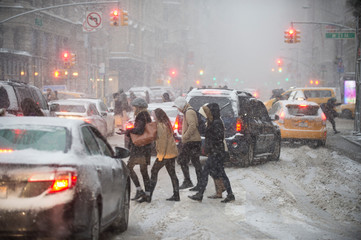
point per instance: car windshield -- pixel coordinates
(223, 102)
(43, 138)
(302, 110)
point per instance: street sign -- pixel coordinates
(340, 35)
(92, 22)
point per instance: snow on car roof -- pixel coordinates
(45, 121)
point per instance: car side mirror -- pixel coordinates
(121, 152)
(104, 114)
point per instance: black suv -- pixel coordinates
(249, 131)
(13, 93)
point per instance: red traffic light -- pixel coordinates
(115, 13)
(173, 72)
(279, 62)
(66, 56)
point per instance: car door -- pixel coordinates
(102, 166)
(268, 129)
(99, 122)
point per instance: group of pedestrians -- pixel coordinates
(167, 151)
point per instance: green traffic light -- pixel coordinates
(214, 78)
(237, 80)
(286, 79)
(278, 83)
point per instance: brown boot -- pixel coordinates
(218, 183)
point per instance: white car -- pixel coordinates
(159, 90)
(75, 109)
(104, 112)
(60, 179)
(141, 92)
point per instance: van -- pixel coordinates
(318, 95)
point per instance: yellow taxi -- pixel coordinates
(300, 120)
(346, 110)
(312, 94)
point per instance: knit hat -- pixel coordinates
(180, 102)
(139, 102)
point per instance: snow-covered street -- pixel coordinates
(308, 194)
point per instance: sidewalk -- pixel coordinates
(353, 138)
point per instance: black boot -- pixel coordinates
(186, 184)
(196, 188)
(138, 194)
(145, 198)
(197, 197)
(229, 198)
(175, 197)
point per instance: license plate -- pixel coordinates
(3, 191)
(303, 124)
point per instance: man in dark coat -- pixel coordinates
(330, 112)
(215, 150)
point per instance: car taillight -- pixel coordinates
(60, 181)
(6, 150)
(87, 120)
(282, 117)
(176, 123)
(239, 125)
(19, 114)
(303, 106)
(324, 118)
(129, 125)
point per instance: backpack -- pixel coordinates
(201, 122)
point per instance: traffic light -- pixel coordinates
(66, 58)
(124, 18)
(173, 72)
(289, 35)
(297, 36)
(114, 17)
(201, 72)
(72, 59)
(279, 62)
(198, 82)
(56, 74)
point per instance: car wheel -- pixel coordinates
(95, 223)
(276, 150)
(249, 156)
(347, 114)
(121, 222)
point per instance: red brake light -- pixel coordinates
(324, 118)
(60, 181)
(303, 105)
(239, 125)
(129, 125)
(87, 120)
(6, 150)
(176, 123)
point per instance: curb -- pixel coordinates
(351, 141)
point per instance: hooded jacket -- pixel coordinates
(214, 135)
(190, 131)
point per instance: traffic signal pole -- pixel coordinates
(58, 6)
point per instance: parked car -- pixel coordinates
(104, 112)
(13, 93)
(300, 120)
(60, 178)
(249, 131)
(84, 110)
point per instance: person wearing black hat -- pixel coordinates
(330, 112)
(139, 155)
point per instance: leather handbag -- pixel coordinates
(148, 136)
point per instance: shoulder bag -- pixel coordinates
(148, 136)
